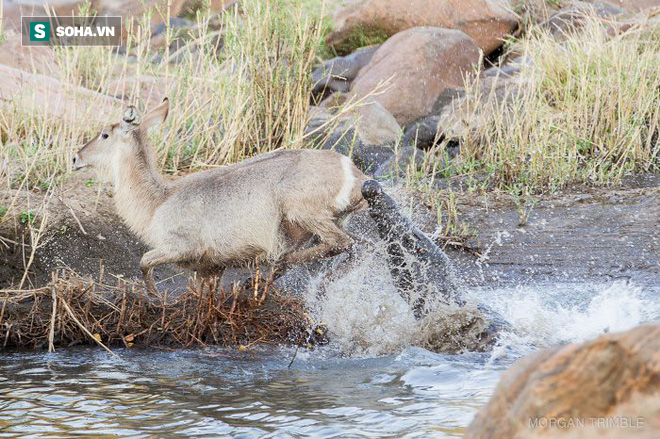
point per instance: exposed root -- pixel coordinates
(71, 310)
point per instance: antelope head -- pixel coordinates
(119, 141)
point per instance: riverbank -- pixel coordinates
(581, 235)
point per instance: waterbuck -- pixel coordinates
(263, 208)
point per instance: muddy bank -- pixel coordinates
(81, 233)
(595, 233)
(586, 233)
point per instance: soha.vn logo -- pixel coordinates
(40, 31)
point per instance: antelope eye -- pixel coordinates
(104, 136)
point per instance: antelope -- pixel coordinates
(264, 208)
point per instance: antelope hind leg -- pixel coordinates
(153, 259)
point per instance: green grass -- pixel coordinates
(27, 217)
(360, 36)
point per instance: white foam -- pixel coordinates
(366, 316)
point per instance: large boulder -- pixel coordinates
(37, 59)
(411, 69)
(486, 21)
(77, 106)
(572, 391)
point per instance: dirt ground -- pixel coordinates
(595, 233)
(83, 233)
(603, 233)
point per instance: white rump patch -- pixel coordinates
(343, 198)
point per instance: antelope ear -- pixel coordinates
(130, 120)
(157, 115)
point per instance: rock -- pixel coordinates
(509, 69)
(19, 91)
(572, 18)
(335, 75)
(381, 160)
(38, 59)
(486, 21)
(373, 124)
(612, 377)
(182, 31)
(424, 132)
(369, 134)
(463, 114)
(409, 71)
(369, 158)
(190, 7)
(633, 5)
(146, 88)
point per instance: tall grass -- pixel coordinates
(246, 95)
(588, 111)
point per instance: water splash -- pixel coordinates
(561, 313)
(361, 307)
(366, 316)
(357, 301)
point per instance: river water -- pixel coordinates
(340, 390)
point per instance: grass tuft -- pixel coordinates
(588, 112)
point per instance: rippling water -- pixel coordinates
(409, 393)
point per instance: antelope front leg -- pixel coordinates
(333, 242)
(151, 260)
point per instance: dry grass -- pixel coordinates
(72, 310)
(588, 112)
(241, 87)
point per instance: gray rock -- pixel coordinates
(385, 160)
(336, 74)
(573, 18)
(425, 132)
(369, 158)
(397, 164)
